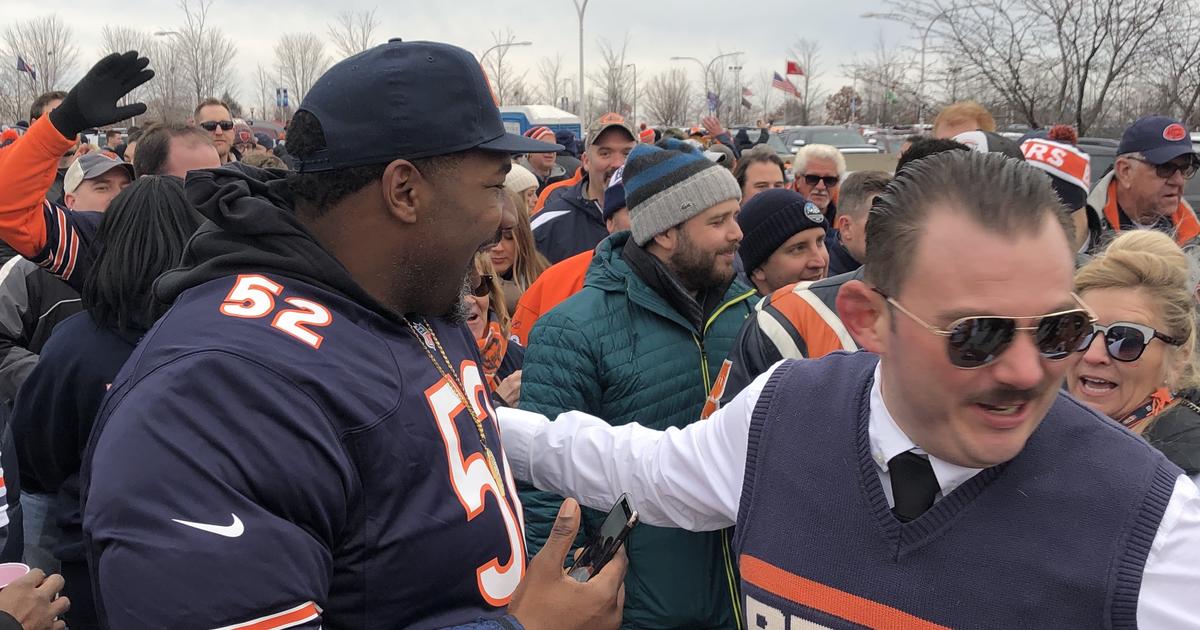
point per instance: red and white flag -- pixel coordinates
(793, 67)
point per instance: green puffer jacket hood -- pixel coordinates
(618, 351)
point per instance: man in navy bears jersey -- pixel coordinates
(304, 440)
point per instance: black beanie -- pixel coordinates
(769, 219)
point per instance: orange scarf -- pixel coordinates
(492, 348)
(1184, 220)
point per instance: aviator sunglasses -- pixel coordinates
(973, 342)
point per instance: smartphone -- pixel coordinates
(600, 549)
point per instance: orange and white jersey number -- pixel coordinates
(472, 481)
(253, 297)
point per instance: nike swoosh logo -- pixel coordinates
(229, 531)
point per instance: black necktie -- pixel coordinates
(914, 485)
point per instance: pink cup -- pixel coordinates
(10, 571)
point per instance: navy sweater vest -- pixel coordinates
(1055, 538)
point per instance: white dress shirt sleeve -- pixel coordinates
(1171, 577)
(689, 478)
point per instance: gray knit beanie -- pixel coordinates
(665, 187)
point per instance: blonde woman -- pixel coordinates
(515, 256)
(1142, 352)
(487, 318)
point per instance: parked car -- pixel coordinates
(848, 141)
(774, 140)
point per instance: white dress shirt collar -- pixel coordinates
(889, 440)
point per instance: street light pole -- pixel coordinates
(707, 67)
(634, 66)
(580, 8)
(715, 60)
(737, 107)
(504, 45)
(499, 96)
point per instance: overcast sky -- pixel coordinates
(657, 29)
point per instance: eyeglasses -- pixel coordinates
(1126, 341)
(481, 284)
(1168, 169)
(211, 125)
(973, 342)
(813, 180)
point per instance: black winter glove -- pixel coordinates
(93, 101)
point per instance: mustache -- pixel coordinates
(1005, 396)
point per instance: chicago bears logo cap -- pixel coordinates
(1158, 138)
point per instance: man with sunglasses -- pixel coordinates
(819, 169)
(213, 116)
(941, 479)
(1145, 187)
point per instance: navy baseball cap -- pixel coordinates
(406, 100)
(1158, 138)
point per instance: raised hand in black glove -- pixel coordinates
(93, 101)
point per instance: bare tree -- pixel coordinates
(300, 60)
(1178, 74)
(47, 43)
(167, 95)
(808, 53)
(1051, 60)
(206, 53)
(118, 39)
(613, 79)
(352, 32)
(507, 82)
(667, 97)
(765, 94)
(887, 94)
(264, 85)
(552, 82)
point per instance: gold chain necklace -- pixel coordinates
(425, 335)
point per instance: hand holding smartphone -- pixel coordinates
(600, 549)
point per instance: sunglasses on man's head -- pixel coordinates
(211, 125)
(973, 342)
(1126, 341)
(1168, 169)
(813, 180)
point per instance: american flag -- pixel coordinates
(781, 83)
(24, 67)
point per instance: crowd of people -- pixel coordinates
(392, 371)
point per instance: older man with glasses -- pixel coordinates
(213, 116)
(1145, 187)
(819, 169)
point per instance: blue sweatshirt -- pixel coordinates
(280, 449)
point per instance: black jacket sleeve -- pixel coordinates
(18, 314)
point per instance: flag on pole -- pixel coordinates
(746, 92)
(24, 67)
(781, 83)
(793, 67)
(713, 102)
